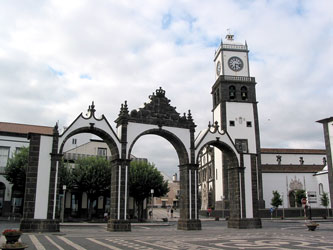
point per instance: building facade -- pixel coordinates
(235, 110)
(13, 137)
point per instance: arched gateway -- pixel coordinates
(157, 117)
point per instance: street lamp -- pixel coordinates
(63, 203)
(152, 203)
(283, 204)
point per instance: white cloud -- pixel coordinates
(111, 51)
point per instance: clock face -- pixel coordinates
(235, 63)
(218, 68)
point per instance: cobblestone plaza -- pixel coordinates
(275, 234)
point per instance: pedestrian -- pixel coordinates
(171, 211)
(209, 211)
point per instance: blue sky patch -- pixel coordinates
(86, 76)
(166, 21)
(56, 72)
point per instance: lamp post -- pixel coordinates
(283, 205)
(152, 203)
(63, 203)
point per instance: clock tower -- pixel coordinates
(235, 110)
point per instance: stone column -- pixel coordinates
(189, 207)
(37, 215)
(119, 196)
(237, 199)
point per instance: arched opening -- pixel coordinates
(86, 143)
(227, 200)
(232, 92)
(244, 93)
(163, 149)
(173, 139)
(292, 198)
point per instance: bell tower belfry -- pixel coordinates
(235, 111)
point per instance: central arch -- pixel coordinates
(170, 137)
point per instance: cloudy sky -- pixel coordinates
(57, 56)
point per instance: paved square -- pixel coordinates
(288, 234)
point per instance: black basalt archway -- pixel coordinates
(170, 137)
(96, 131)
(231, 183)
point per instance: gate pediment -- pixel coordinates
(158, 112)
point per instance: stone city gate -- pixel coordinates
(158, 117)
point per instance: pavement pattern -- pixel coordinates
(214, 235)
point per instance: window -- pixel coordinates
(241, 145)
(312, 197)
(216, 174)
(4, 154)
(74, 141)
(321, 188)
(244, 93)
(232, 92)
(249, 124)
(101, 151)
(232, 123)
(17, 150)
(216, 97)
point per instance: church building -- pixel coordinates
(235, 111)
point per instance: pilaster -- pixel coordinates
(119, 197)
(189, 207)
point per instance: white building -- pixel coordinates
(13, 137)
(235, 111)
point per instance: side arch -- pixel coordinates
(96, 131)
(170, 137)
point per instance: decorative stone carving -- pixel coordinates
(295, 184)
(157, 111)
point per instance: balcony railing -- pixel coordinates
(238, 78)
(74, 156)
(234, 46)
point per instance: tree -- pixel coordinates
(324, 201)
(142, 178)
(65, 176)
(299, 195)
(93, 176)
(276, 200)
(15, 171)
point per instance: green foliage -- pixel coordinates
(324, 200)
(142, 178)
(92, 175)
(299, 195)
(15, 171)
(65, 176)
(276, 200)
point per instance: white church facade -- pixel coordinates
(235, 111)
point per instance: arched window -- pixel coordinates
(244, 93)
(232, 92)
